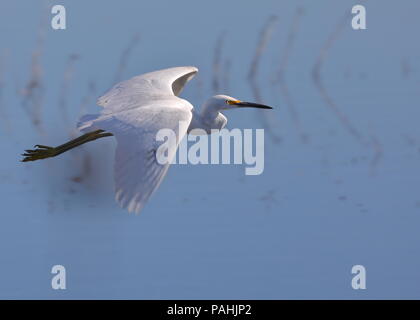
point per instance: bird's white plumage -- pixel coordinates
(140, 90)
(134, 111)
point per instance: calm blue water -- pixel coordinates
(341, 198)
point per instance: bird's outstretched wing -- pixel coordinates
(134, 111)
(137, 171)
(143, 88)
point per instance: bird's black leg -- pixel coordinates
(43, 152)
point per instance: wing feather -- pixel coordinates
(137, 172)
(134, 111)
(146, 87)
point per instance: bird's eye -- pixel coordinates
(232, 102)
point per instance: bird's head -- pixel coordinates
(224, 102)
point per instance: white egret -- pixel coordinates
(134, 111)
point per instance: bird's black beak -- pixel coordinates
(243, 104)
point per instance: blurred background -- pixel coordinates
(342, 152)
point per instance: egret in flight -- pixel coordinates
(134, 111)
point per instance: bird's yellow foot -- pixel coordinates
(41, 152)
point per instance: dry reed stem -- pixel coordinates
(317, 79)
(125, 56)
(217, 63)
(280, 76)
(263, 39)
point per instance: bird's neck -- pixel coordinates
(207, 119)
